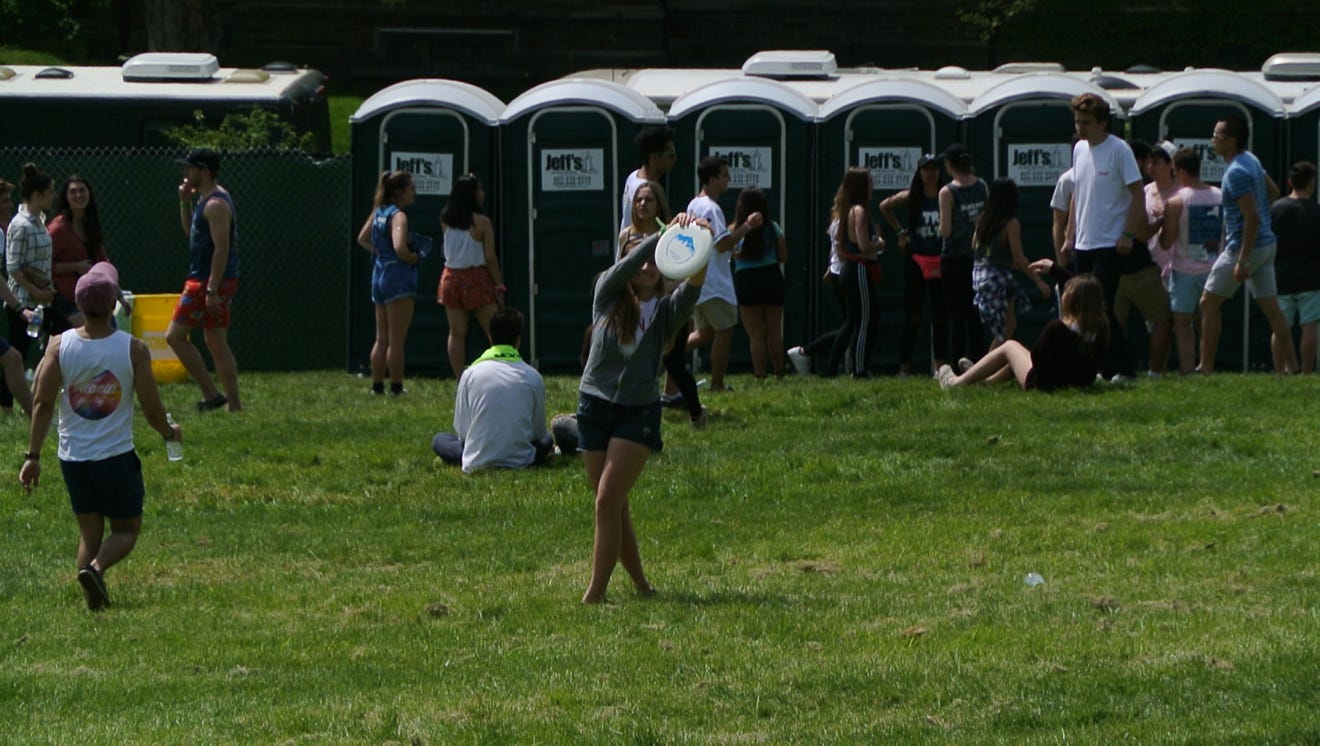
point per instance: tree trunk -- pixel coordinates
(182, 26)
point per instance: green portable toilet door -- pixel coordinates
(888, 140)
(1191, 123)
(755, 138)
(574, 185)
(432, 145)
(1033, 146)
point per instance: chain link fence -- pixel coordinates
(293, 232)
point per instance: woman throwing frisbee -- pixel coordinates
(633, 323)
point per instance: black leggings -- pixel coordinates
(858, 330)
(915, 290)
(676, 367)
(963, 316)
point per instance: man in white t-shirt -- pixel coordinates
(655, 145)
(1060, 201)
(499, 408)
(1107, 216)
(716, 313)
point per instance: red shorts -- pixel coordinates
(469, 288)
(192, 310)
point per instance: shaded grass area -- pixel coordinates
(837, 560)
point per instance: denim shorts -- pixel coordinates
(393, 282)
(110, 486)
(599, 421)
(1303, 307)
(1185, 291)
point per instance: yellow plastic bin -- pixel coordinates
(151, 317)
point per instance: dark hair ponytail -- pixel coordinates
(34, 180)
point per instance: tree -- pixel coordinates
(989, 17)
(182, 26)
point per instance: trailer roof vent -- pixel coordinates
(1142, 69)
(57, 73)
(1018, 68)
(280, 66)
(6, 73)
(952, 72)
(171, 66)
(247, 75)
(1292, 66)
(791, 63)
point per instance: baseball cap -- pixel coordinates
(201, 158)
(926, 159)
(97, 290)
(958, 153)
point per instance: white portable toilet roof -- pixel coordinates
(744, 89)
(478, 102)
(1040, 85)
(1210, 82)
(1305, 102)
(895, 89)
(665, 85)
(589, 91)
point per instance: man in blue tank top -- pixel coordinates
(212, 231)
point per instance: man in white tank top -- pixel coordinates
(94, 371)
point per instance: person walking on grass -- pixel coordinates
(208, 294)
(858, 248)
(758, 280)
(1107, 215)
(1296, 222)
(1249, 248)
(1191, 231)
(1067, 352)
(28, 262)
(716, 314)
(998, 242)
(95, 371)
(14, 385)
(618, 414)
(919, 240)
(471, 284)
(393, 276)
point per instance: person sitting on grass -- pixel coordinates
(499, 408)
(94, 371)
(1068, 351)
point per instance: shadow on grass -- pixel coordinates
(722, 598)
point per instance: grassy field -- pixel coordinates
(341, 108)
(838, 561)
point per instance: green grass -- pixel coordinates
(16, 56)
(341, 108)
(837, 561)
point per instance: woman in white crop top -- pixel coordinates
(471, 284)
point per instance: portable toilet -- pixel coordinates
(766, 130)
(1304, 128)
(1023, 129)
(567, 150)
(886, 125)
(437, 130)
(1183, 109)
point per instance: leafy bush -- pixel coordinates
(255, 130)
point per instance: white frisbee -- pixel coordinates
(683, 251)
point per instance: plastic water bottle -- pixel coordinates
(173, 448)
(1033, 579)
(34, 326)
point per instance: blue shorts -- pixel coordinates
(111, 486)
(599, 420)
(1185, 292)
(391, 282)
(1304, 307)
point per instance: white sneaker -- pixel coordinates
(946, 376)
(1120, 378)
(964, 364)
(801, 361)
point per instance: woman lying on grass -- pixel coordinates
(618, 415)
(1066, 354)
